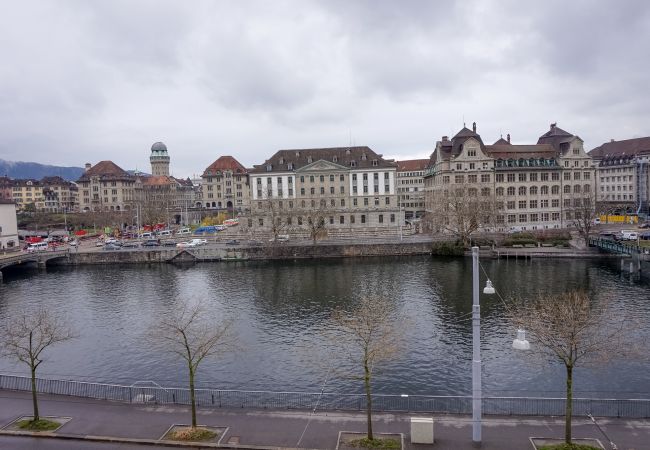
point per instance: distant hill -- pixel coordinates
(35, 170)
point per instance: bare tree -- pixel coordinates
(584, 215)
(462, 210)
(191, 335)
(276, 212)
(25, 338)
(366, 337)
(571, 329)
(316, 217)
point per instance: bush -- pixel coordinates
(38, 425)
(521, 241)
(376, 443)
(447, 249)
(192, 434)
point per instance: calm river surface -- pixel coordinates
(281, 310)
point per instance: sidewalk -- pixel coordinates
(284, 428)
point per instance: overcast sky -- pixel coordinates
(84, 81)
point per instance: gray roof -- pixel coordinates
(362, 157)
(159, 147)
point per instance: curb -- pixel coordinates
(138, 441)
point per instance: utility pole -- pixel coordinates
(476, 351)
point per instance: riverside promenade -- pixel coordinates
(110, 425)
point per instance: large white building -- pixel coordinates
(535, 186)
(349, 187)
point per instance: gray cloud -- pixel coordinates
(84, 81)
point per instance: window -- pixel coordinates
(522, 177)
(363, 218)
(392, 218)
(511, 204)
(533, 190)
(544, 190)
(352, 219)
(332, 190)
(555, 203)
(567, 189)
(331, 220)
(576, 175)
(381, 218)
(388, 200)
(365, 201)
(331, 178)
(523, 218)
(511, 190)
(544, 203)
(342, 202)
(471, 152)
(485, 192)
(522, 190)
(322, 190)
(566, 176)
(499, 192)
(533, 204)
(543, 177)
(472, 166)
(499, 178)
(342, 189)
(354, 202)
(459, 166)
(485, 178)
(386, 176)
(459, 179)
(471, 179)
(533, 177)
(522, 204)
(312, 191)
(555, 176)
(512, 218)
(555, 190)
(311, 178)
(511, 178)
(342, 178)
(341, 220)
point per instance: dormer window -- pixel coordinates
(281, 160)
(335, 159)
(353, 163)
(374, 162)
(269, 167)
(290, 166)
(471, 152)
(309, 159)
(347, 151)
(297, 154)
(363, 157)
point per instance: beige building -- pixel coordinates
(349, 188)
(8, 225)
(534, 186)
(225, 185)
(410, 187)
(60, 195)
(623, 178)
(106, 187)
(28, 194)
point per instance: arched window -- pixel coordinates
(555, 190)
(567, 189)
(533, 190)
(473, 192)
(522, 190)
(544, 190)
(485, 192)
(499, 192)
(511, 190)
(586, 188)
(576, 189)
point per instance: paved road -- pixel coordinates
(27, 443)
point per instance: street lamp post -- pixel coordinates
(476, 347)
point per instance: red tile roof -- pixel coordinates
(412, 164)
(107, 170)
(225, 163)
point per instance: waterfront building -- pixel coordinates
(106, 187)
(8, 225)
(410, 187)
(623, 175)
(534, 186)
(347, 188)
(60, 194)
(225, 185)
(6, 191)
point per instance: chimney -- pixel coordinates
(553, 125)
(611, 140)
(88, 166)
(474, 127)
(508, 138)
(445, 138)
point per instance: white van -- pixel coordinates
(629, 235)
(146, 235)
(37, 247)
(165, 233)
(184, 232)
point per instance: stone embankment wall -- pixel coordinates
(265, 252)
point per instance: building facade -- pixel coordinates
(8, 225)
(623, 178)
(106, 187)
(225, 185)
(533, 187)
(347, 188)
(410, 187)
(60, 195)
(28, 195)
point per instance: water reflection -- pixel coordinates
(282, 308)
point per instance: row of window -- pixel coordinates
(616, 188)
(332, 220)
(618, 178)
(323, 203)
(218, 179)
(542, 190)
(533, 217)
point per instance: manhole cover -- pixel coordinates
(233, 440)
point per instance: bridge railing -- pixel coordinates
(220, 398)
(618, 246)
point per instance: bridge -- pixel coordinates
(38, 258)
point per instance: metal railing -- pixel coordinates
(217, 398)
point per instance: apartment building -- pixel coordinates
(623, 178)
(60, 194)
(410, 187)
(28, 195)
(347, 187)
(106, 187)
(534, 186)
(225, 185)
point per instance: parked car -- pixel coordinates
(188, 244)
(164, 233)
(628, 235)
(151, 243)
(184, 232)
(169, 243)
(199, 241)
(645, 225)
(254, 242)
(73, 243)
(112, 247)
(232, 242)
(645, 236)
(130, 245)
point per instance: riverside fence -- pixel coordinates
(217, 398)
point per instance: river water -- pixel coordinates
(281, 312)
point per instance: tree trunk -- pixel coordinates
(569, 404)
(34, 400)
(192, 397)
(366, 380)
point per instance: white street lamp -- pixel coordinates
(476, 346)
(520, 342)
